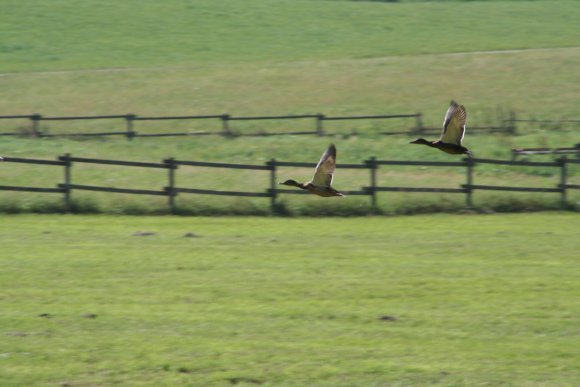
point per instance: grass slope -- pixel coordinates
(276, 58)
(477, 300)
(94, 34)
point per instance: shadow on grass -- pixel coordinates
(282, 209)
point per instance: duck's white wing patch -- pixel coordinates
(454, 124)
(325, 168)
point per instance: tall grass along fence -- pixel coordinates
(272, 191)
(129, 129)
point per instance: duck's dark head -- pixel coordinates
(421, 141)
(292, 183)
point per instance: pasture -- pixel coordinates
(278, 58)
(456, 300)
(289, 57)
(444, 300)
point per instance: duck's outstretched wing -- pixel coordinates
(325, 168)
(454, 124)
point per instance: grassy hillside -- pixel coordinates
(284, 57)
(100, 34)
(290, 302)
(543, 84)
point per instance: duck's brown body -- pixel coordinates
(320, 191)
(452, 133)
(445, 147)
(321, 182)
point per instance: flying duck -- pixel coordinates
(452, 133)
(321, 182)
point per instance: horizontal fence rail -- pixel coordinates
(222, 165)
(111, 189)
(543, 121)
(130, 120)
(513, 189)
(222, 193)
(272, 191)
(31, 189)
(545, 151)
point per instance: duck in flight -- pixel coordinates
(321, 182)
(452, 134)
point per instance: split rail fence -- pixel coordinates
(171, 190)
(33, 128)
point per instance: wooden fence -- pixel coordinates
(171, 191)
(545, 151)
(534, 121)
(131, 120)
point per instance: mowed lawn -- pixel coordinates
(449, 300)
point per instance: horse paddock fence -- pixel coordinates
(127, 125)
(272, 191)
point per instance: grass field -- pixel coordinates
(474, 300)
(285, 57)
(451, 300)
(282, 57)
(96, 34)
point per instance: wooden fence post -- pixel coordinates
(563, 179)
(512, 123)
(469, 197)
(170, 189)
(67, 182)
(273, 197)
(419, 123)
(130, 132)
(225, 124)
(319, 119)
(372, 163)
(35, 118)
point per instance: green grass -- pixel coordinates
(277, 58)
(478, 300)
(256, 152)
(96, 34)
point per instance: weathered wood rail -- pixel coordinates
(128, 125)
(545, 151)
(272, 190)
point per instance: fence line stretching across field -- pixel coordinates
(171, 191)
(130, 132)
